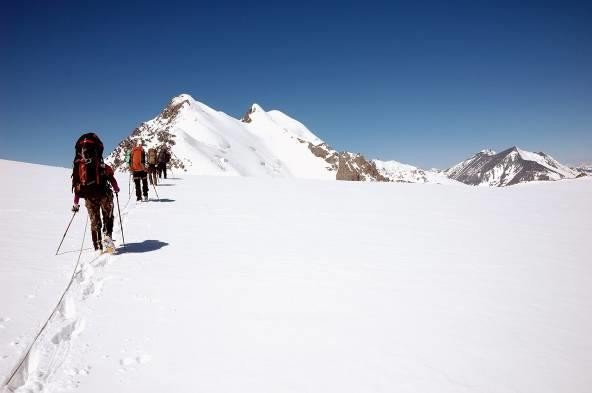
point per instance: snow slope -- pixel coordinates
(547, 162)
(267, 285)
(287, 139)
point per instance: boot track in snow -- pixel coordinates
(50, 347)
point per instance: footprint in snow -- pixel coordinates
(126, 362)
(68, 309)
(85, 274)
(130, 362)
(80, 371)
(68, 332)
(94, 288)
(3, 322)
(101, 262)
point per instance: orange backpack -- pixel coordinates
(136, 164)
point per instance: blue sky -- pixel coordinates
(425, 83)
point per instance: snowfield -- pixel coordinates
(239, 284)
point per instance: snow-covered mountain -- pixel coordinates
(271, 144)
(511, 166)
(583, 169)
(208, 142)
(404, 173)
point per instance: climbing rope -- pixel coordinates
(74, 273)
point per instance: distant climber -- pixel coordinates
(127, 156)
(137, 164)
(164, 156)
(152, 162)
(92, 180)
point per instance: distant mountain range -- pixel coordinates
(509, 167)
(584, 169)
(270, 143)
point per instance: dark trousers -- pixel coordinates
(144, 190)
(162, 170)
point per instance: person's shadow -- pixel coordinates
(145, 246)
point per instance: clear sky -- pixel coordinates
(425, 83)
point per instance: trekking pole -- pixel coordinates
(67, 228)
(120, 224)
(157, 197)
(129, 186)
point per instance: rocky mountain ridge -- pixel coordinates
(270, 143)
(509, 167)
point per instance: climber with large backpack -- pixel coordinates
(137, 165)
(152, 163)
(92, 180)
(163, 158)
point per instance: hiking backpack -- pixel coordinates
(152, 157)
(163, 155)
(88, 172)
(137, 159)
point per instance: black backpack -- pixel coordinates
(88, 172)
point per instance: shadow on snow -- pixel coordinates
(145, 246)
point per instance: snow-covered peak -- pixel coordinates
(210, 142)
(530, 156)
(526, 155)
(547, 161)
(186, 105)
(256, 108)
(488, 152)
(404, 173)
(181, 98)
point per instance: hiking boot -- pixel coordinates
(108, 244)
(145, 198)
